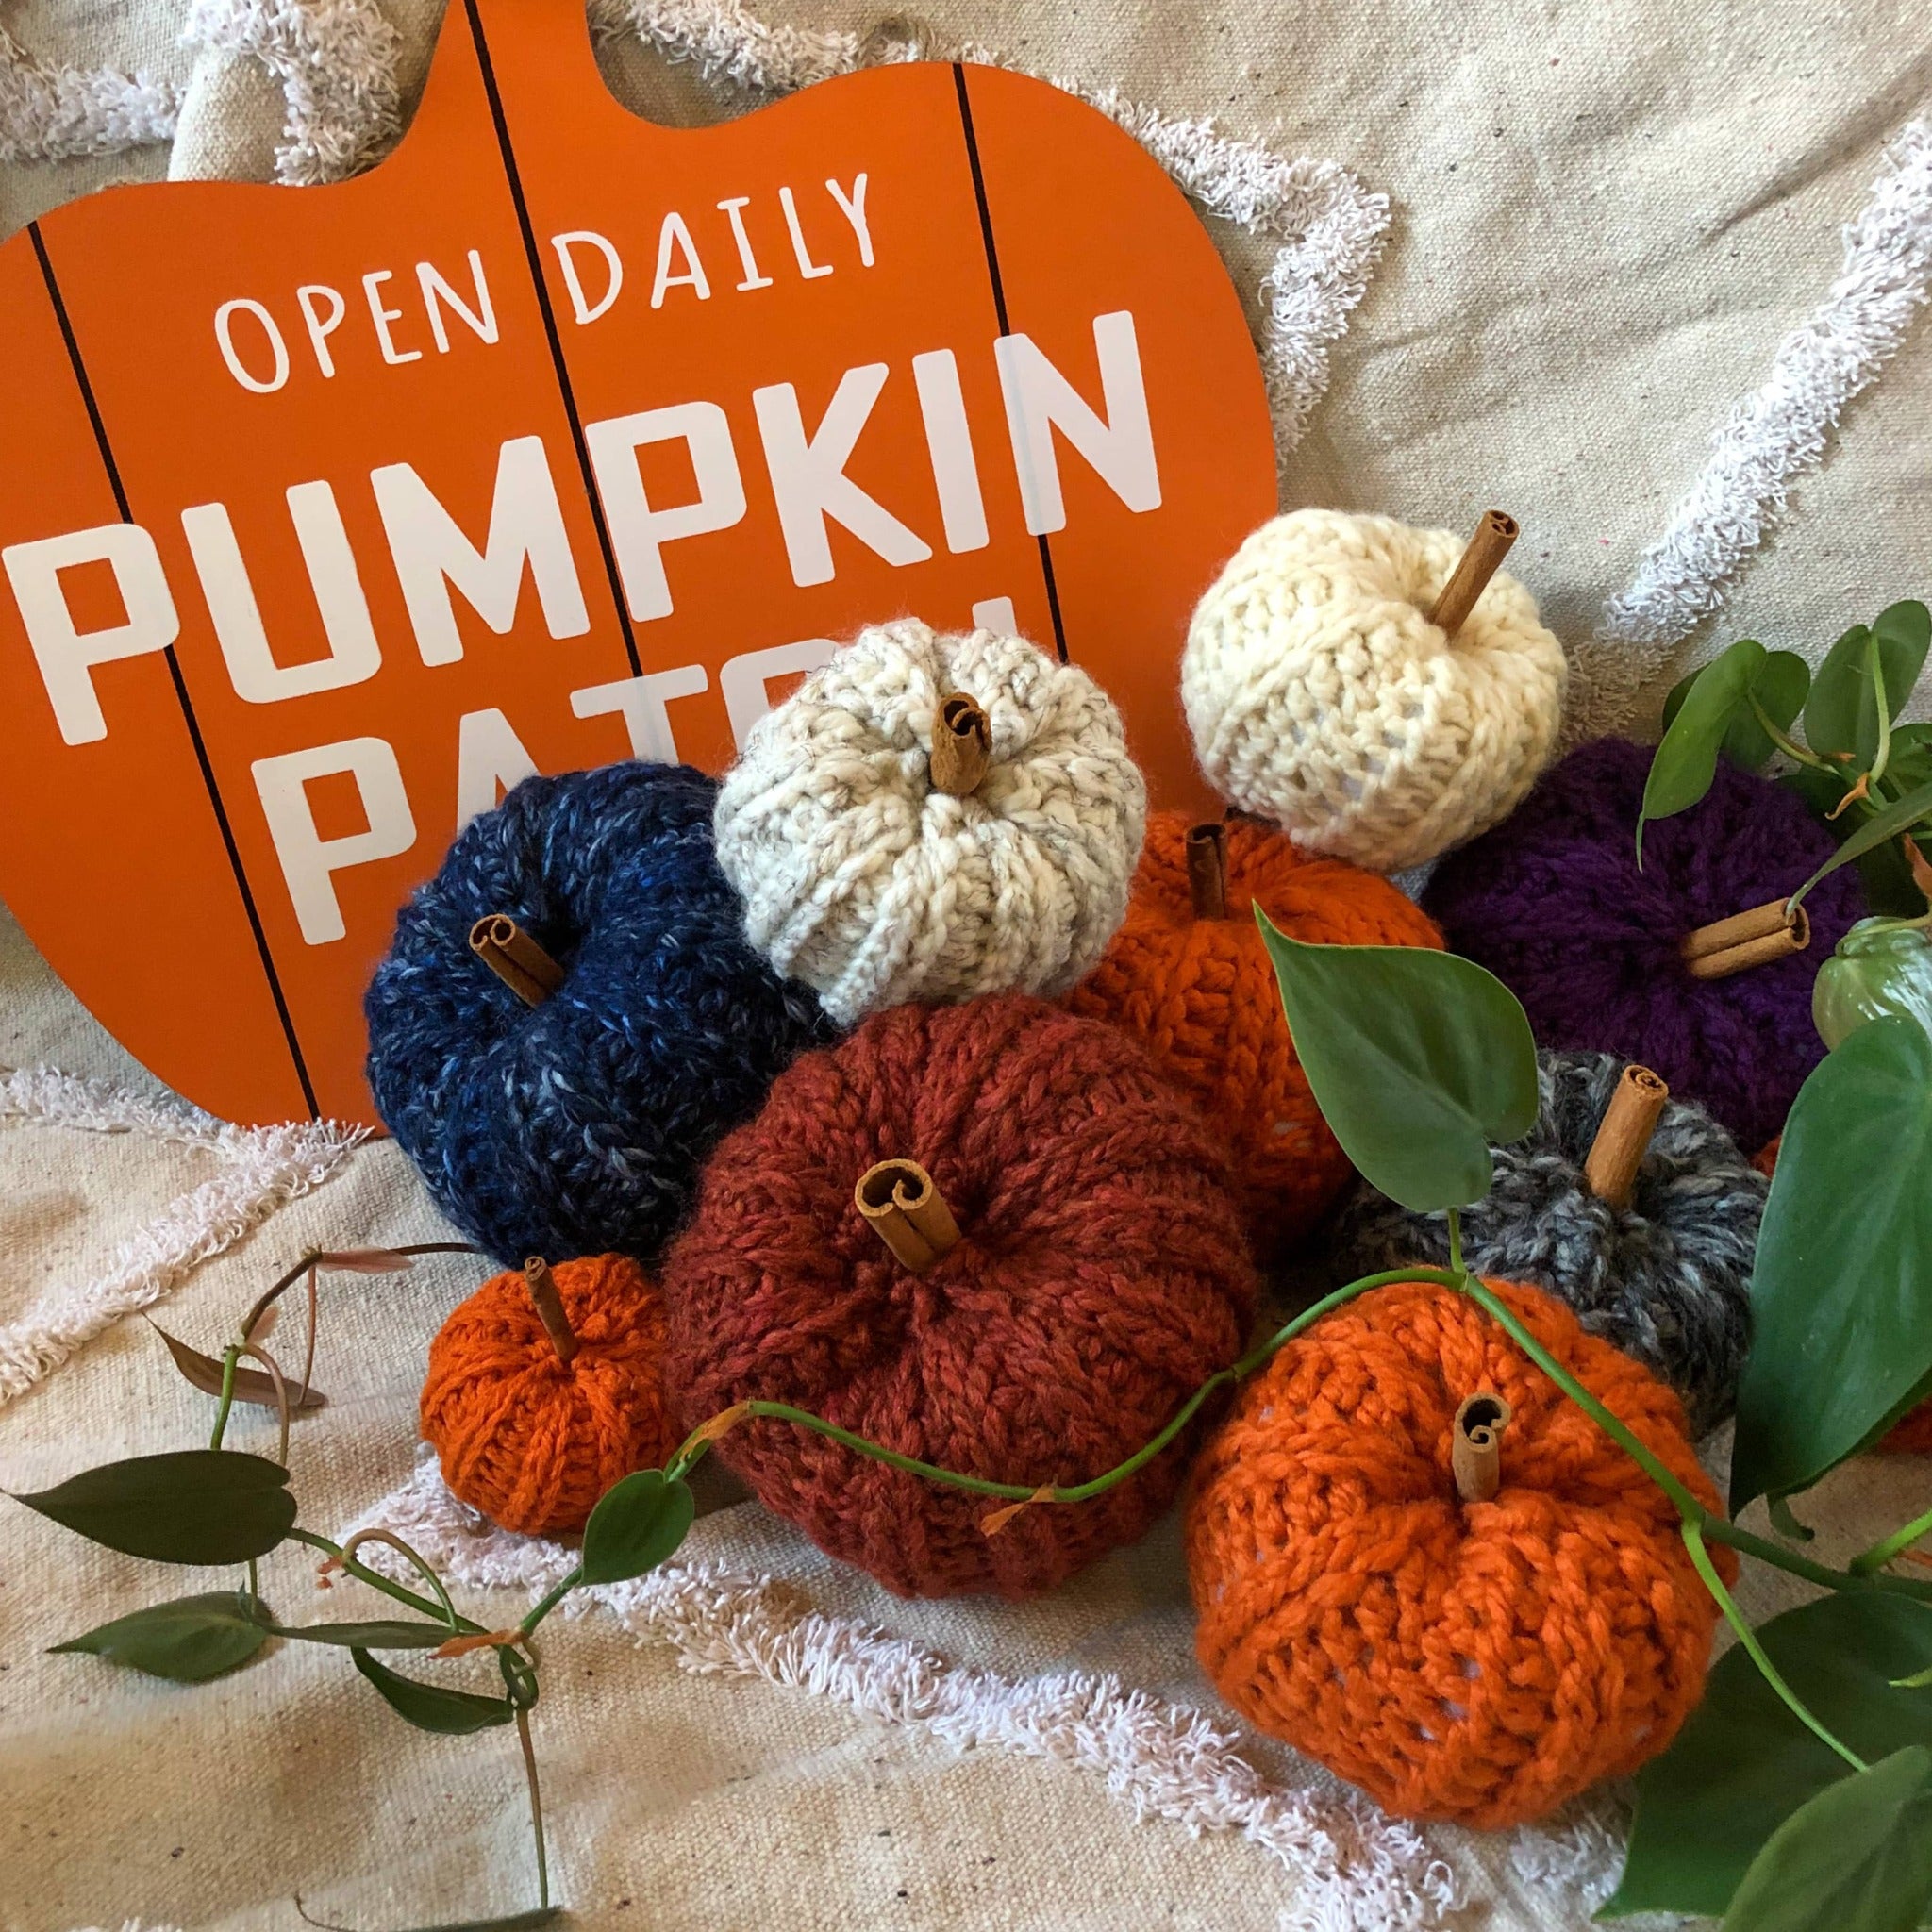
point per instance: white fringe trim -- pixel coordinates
(262, 1169)
(1774, 436)
(55, 113)
(1331, 230)
(336, 61)
(1357, 1869)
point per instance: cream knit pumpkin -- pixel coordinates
(1321, 696)
(874, 888)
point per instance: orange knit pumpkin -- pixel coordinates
(1201, 993)
(527, 1439)
(1481, 1662)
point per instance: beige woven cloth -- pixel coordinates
(1603, 225)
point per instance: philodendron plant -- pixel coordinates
(1797, 1797)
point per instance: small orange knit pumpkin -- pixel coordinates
(1475, 1661)
(528, 1437)
(1201, 992)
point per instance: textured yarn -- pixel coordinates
(1482, 1662)
(1666, 1280)
(1100, 1276)
(1321, 696)
(578, 1126)
(866, 882)
(529, 1439)
(1201, 993)
(1552, 902)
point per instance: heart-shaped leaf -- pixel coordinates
(1841, 714)
(190, 1506)
(250, 1385)
(1841, 1324)
(430, 1706)
(636, 1525)
(1742, 1763)
(1686, 758)
(1780, 688)
(188, 1642)
(1857, 1858)
(516, 1922)
(378, 1634)
(1418, 1060)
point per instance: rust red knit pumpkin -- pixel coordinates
(1201, 993)
(1474, 1661)
(529, 1439)
(1100, 1276)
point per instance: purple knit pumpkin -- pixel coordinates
(1552, 903)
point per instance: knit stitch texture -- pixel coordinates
(1101, 1276)
(870, 884)
(578, 1126)
(1480, 1662)
(1321, 696)
(1666, 1280)
(529, 1439)
(1553, 903)
(1202, 995)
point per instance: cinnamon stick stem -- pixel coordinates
(515, 958)
(549, 1305)
(962, 746)
(1479, 563)
(908, 1212)
(1772, 931)
(1206, 848)
(1475, 1446)
(1610, 1170)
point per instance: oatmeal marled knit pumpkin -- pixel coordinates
(862, 878)
(1100, 1278)
(1201, 993)
(1476, 1661)
(1553, 902)
(1322, 697)
(1666, 1280)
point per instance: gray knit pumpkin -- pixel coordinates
(1665, 1280)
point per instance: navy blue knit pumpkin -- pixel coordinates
(578, 1126)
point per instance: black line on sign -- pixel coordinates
(535, 260)
(187, 704)
(999, 308)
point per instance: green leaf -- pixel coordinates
(1876, 831)
(191, 1505)
(636, 1525)
(517, 1922)
(1857, 1858)
(1831, 713)
(1878, 969)
(373, 1636)
(1742, 1763)
(430, 1706)
(1418, 1060)
(1686, 760)
(1842, 1324)
(1779, 687)
(188, 1642)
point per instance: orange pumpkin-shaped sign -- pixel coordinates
(556, 439)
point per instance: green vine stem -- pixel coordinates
(1880, 1553)
(390, 1540)
(1874, 663)
(230, 1357)
(1693, 1541)
(1790, 748)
